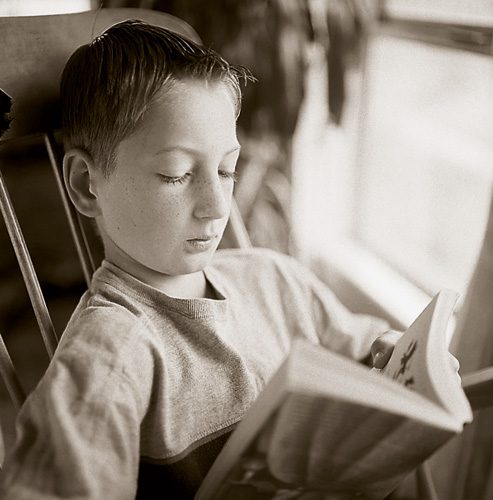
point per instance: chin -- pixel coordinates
(192, 264)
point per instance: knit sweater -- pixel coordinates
(144, 388)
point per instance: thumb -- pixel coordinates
(383, 346)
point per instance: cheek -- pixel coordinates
(143, 208)
(163, 216)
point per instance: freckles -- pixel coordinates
(174, 205)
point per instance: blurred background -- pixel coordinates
(367, 153)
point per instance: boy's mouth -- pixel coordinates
(204, 238)
(202, 243)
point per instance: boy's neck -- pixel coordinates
(186, 286)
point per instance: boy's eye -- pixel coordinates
(229, 175)
(168, 179)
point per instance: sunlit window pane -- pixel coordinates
(427, 159)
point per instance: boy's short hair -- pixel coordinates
(108, 84)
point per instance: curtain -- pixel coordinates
(463, 470)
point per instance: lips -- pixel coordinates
(203, 238)
(204, 243)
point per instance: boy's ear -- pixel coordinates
(79, 174)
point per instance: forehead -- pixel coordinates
(192, 98)
(193, 113)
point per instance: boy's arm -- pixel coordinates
(341, 330)
(78, 432)
(358, 336)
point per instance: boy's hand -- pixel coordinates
(382, 348)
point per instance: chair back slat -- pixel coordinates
(27, 269)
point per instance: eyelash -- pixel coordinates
(175, 180)
(180, 180)
(229, 175)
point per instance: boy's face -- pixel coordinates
(168, 199)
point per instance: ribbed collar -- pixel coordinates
(125, 283)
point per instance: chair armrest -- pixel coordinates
(478, 387)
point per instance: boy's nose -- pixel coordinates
(212, 200)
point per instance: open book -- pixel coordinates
(325, 424)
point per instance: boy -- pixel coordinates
(170, 346)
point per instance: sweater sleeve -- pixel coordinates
(78, 432)
(337, 328)
(340, 329)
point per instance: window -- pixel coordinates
(426, 162)
(400, 192)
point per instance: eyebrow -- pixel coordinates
(190, 150)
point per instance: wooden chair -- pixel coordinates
(32, 55)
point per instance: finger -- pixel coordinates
(382, 348)
(381, 358)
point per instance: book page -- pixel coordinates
(421, 360)
(311, 447)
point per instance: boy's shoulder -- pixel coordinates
(105, 319)
(101, 323)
